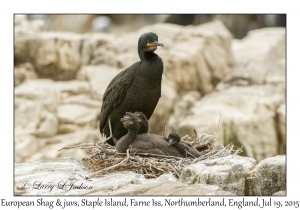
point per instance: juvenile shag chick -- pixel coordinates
(142, 143)
(182, 147)
(135, 89)
(143, 124)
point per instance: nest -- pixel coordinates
(105, 159)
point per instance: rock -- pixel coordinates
(261, 67)
(268, 177)
(33, 118)
(25, 146)
(282, 128)
(77, 110)
(98, 78)
(51, 145)
(40, 90)
(280, 193)
(182, 109)
(242, 110)
(278, 75)
(70, 170)
(255, 73)
(171, 188)
(49, 173)
(142, 185)
(54, 55)
(76, 114)
(164, 106)
(22, 72)
(35, 108)
(229, 173)
(70, 22)
(91, 44)
(82, 99)
(269, 41)
(48, 125)
(119, 52)
(74, 87)
(68, 128)
(24, 27)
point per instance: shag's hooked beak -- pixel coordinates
(133, 116)
(171, 142)
(126, 118)
(155, 44)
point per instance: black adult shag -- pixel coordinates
(135, 89)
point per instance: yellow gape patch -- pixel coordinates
(126, 123)
(150, 45)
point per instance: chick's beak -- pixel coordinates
(132, 115)
(171, 142)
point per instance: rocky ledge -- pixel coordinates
(232, 175)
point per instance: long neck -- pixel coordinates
(143, 127)
(146, 55)
(124, 142)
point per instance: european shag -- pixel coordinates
(143, 124)
(142, 143)
(185, 149)
(135, 89)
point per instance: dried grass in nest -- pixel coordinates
(105, 159)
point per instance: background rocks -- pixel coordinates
(266, 44)
(248, 117)
(238, 25)
(246, 100)
(24, 71)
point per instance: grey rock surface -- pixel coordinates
(268, 177)
(229, 173)
(270, 42)
(66, 176)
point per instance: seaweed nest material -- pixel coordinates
(105, 159)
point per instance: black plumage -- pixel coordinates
(185, 149)
(142, 143)
(135, 89)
